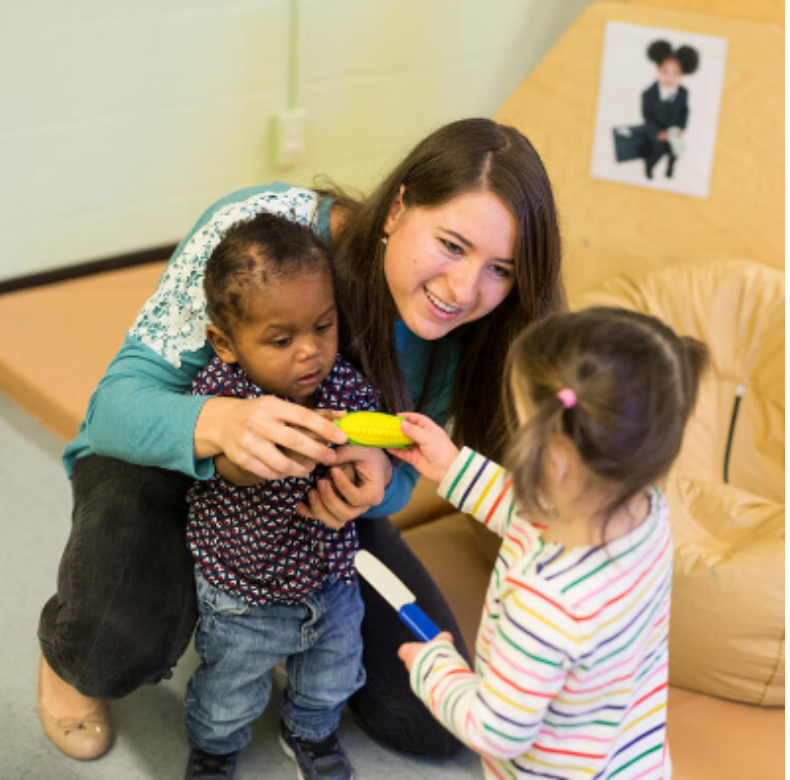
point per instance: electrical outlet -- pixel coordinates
(288, 146)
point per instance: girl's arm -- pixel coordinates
(683, 119)
(472, 483)
(499, 713)
(481, 488)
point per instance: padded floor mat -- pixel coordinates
(56, 341)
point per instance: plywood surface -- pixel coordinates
(609, 227)
(764, 11)
(56, 341)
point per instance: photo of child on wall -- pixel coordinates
(639, 125)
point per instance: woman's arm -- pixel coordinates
(141, 410)
(257, 434)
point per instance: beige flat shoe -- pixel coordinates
(82, 738)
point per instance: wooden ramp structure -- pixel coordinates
(610, 228)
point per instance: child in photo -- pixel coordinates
(571, 660)
(665, 104)
(271, 583)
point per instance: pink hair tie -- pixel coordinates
(568, 397)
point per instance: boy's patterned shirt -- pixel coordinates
(249, 540)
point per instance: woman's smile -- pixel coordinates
(441, 308)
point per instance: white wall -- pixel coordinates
(121, 121)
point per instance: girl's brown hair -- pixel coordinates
(635, 382)
(472, 155)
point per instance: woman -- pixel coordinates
(437, 271)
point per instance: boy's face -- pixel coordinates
(287, 343)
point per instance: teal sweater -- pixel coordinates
(142, 411)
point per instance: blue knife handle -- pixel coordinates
(420, 624)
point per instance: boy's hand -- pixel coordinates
(433, 453)
(408, 652)
(334, 502)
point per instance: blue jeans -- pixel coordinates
(238, 644)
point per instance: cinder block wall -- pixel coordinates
(121, 121)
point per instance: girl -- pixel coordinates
(572, 659)
(665, 104)
(437, 271)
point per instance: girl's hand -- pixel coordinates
(335, 506)
(408, 652)
(253, 431)
(433, 453)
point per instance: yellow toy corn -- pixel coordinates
(373, 429)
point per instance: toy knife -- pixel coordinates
(397, 594)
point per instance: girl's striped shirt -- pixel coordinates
(571, 658)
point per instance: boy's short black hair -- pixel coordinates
(253, 254)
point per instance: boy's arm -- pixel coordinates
(235, 474)
(500, 712)
(481, 488)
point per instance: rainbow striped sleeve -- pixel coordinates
(499, 711)
(481, 488)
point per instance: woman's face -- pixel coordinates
(669, 74)
(449, 265)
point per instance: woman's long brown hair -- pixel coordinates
(472, 155)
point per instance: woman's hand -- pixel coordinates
(335, 506)
(408, 652)
(433, 453)
(252, 431)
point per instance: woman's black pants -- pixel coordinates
(125, 607)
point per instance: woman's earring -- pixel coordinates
(384, 239)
